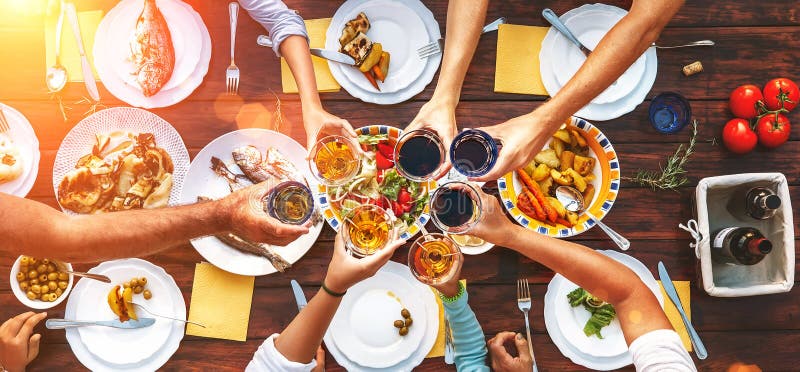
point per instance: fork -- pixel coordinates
(524, 304)
(4, 127)
(435, 47)
(449, 348)
(164, 316)
(232, 73)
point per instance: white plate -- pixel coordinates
(112, 349)
(593, 111)
(363, 327)
(590, 27)
(106, 65)
(202, 181)
(431, 313)
(400, 31)
(184, 32)
(25, 139)
(370, 95)
(565, 324)
(81, 138)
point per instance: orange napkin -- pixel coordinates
(316, 29)
(220, 301)
(683, 289)
(70, 58)
(517, 63)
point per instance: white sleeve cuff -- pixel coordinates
(267, 358)
(661, 350)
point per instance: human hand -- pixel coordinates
(18, 346)
(248, 219)
(440, 118)
(493, 226)
(522, 138)
(345, 270)
(450, 287)
(502, 361)
(320, 124)
(320, 358)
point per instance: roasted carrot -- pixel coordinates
(378, 73)
(372, 80)
(527, 204)
(550, 212)
(564, 222)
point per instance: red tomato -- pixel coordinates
(781, 92)
(381, 162)
(386, 150)
(397, 209)
(773, 130)
(403, 197)
(407, 207)
(744, 101)
(738, 137)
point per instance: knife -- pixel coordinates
(88, 75)
(130, 324)
(331, 55)
(299, 296)
(699, 348)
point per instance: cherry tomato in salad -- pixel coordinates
(381, 162)
(781, 93)
(403, 196)
(773, 130)
(738, 137)
(397, 209)
(744, 101)
(386, 150)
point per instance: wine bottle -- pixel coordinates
(759, 202)
(740, 245)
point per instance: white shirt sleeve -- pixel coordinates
(268, 359)
(279, 21)
(661, 350)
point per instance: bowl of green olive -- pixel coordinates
(40, 283)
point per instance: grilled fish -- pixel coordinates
(257, 249)
(151, 50)
(235, 181)
(251, 161)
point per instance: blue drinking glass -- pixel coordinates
(669, 112)
(473, 152)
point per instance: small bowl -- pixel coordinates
(36, 304)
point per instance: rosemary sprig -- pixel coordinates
(671, 176)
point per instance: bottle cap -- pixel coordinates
(772, 201)
(760, 246)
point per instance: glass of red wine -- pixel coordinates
(455, 207)
(420, 155)
(473, 152)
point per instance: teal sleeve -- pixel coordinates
(470, 345)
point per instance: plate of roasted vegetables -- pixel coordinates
(237, 160)
(379, 183)
(584, 327)
(578, 155)
(132, 280)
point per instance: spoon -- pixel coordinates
(572, 199)
(99, 277)
(57, 75)
(692, 44)
(551, 17)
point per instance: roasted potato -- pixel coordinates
(546, 185)
(588, 194)
(583, 165)
(563, 135)
(548, 157)
(567, 158)
(562, 179)
(562, 212)
(557, 145)
(541, 172)
(572, 217)
(580, 141)
(577, 180)
(372, 58)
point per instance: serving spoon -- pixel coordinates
(56, 76)
(572, 199)
(99, 277)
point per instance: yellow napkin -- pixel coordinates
(316, 29)
(70, 58)
(683, 289)
(220, 301)
(438, 347)
(517, 63)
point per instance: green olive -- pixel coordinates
(32, 274)
(59, 292)
(24, 261)
(143, 281)
(62, 285)
(37, 289)
(137, 289)
(53, 297)
(24, 286)
(126, 285)
(51, 268)
(44, 289)
(409, 321)
(134, 283)
(46, 261)
(43, 278)
(403, 331)
(42, 268)
(398, 324)
(147, 295)
(52, 276)
(405, 313)
(33, 281)
(21, 276)
(63, 276)
(31, 295)
(52, 285)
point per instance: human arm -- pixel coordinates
(638, 310)
(37, 230)
(522, 136)
(301, 338)
(464, 23)
(18, 344)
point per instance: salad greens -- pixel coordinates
(602, 314)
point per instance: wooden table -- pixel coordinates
(756, 41)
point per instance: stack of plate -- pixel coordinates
(112, 52)
(362, 336)
(25, 140)
(401, 27)
(560, 59)
(113, 349)
(565, 323)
